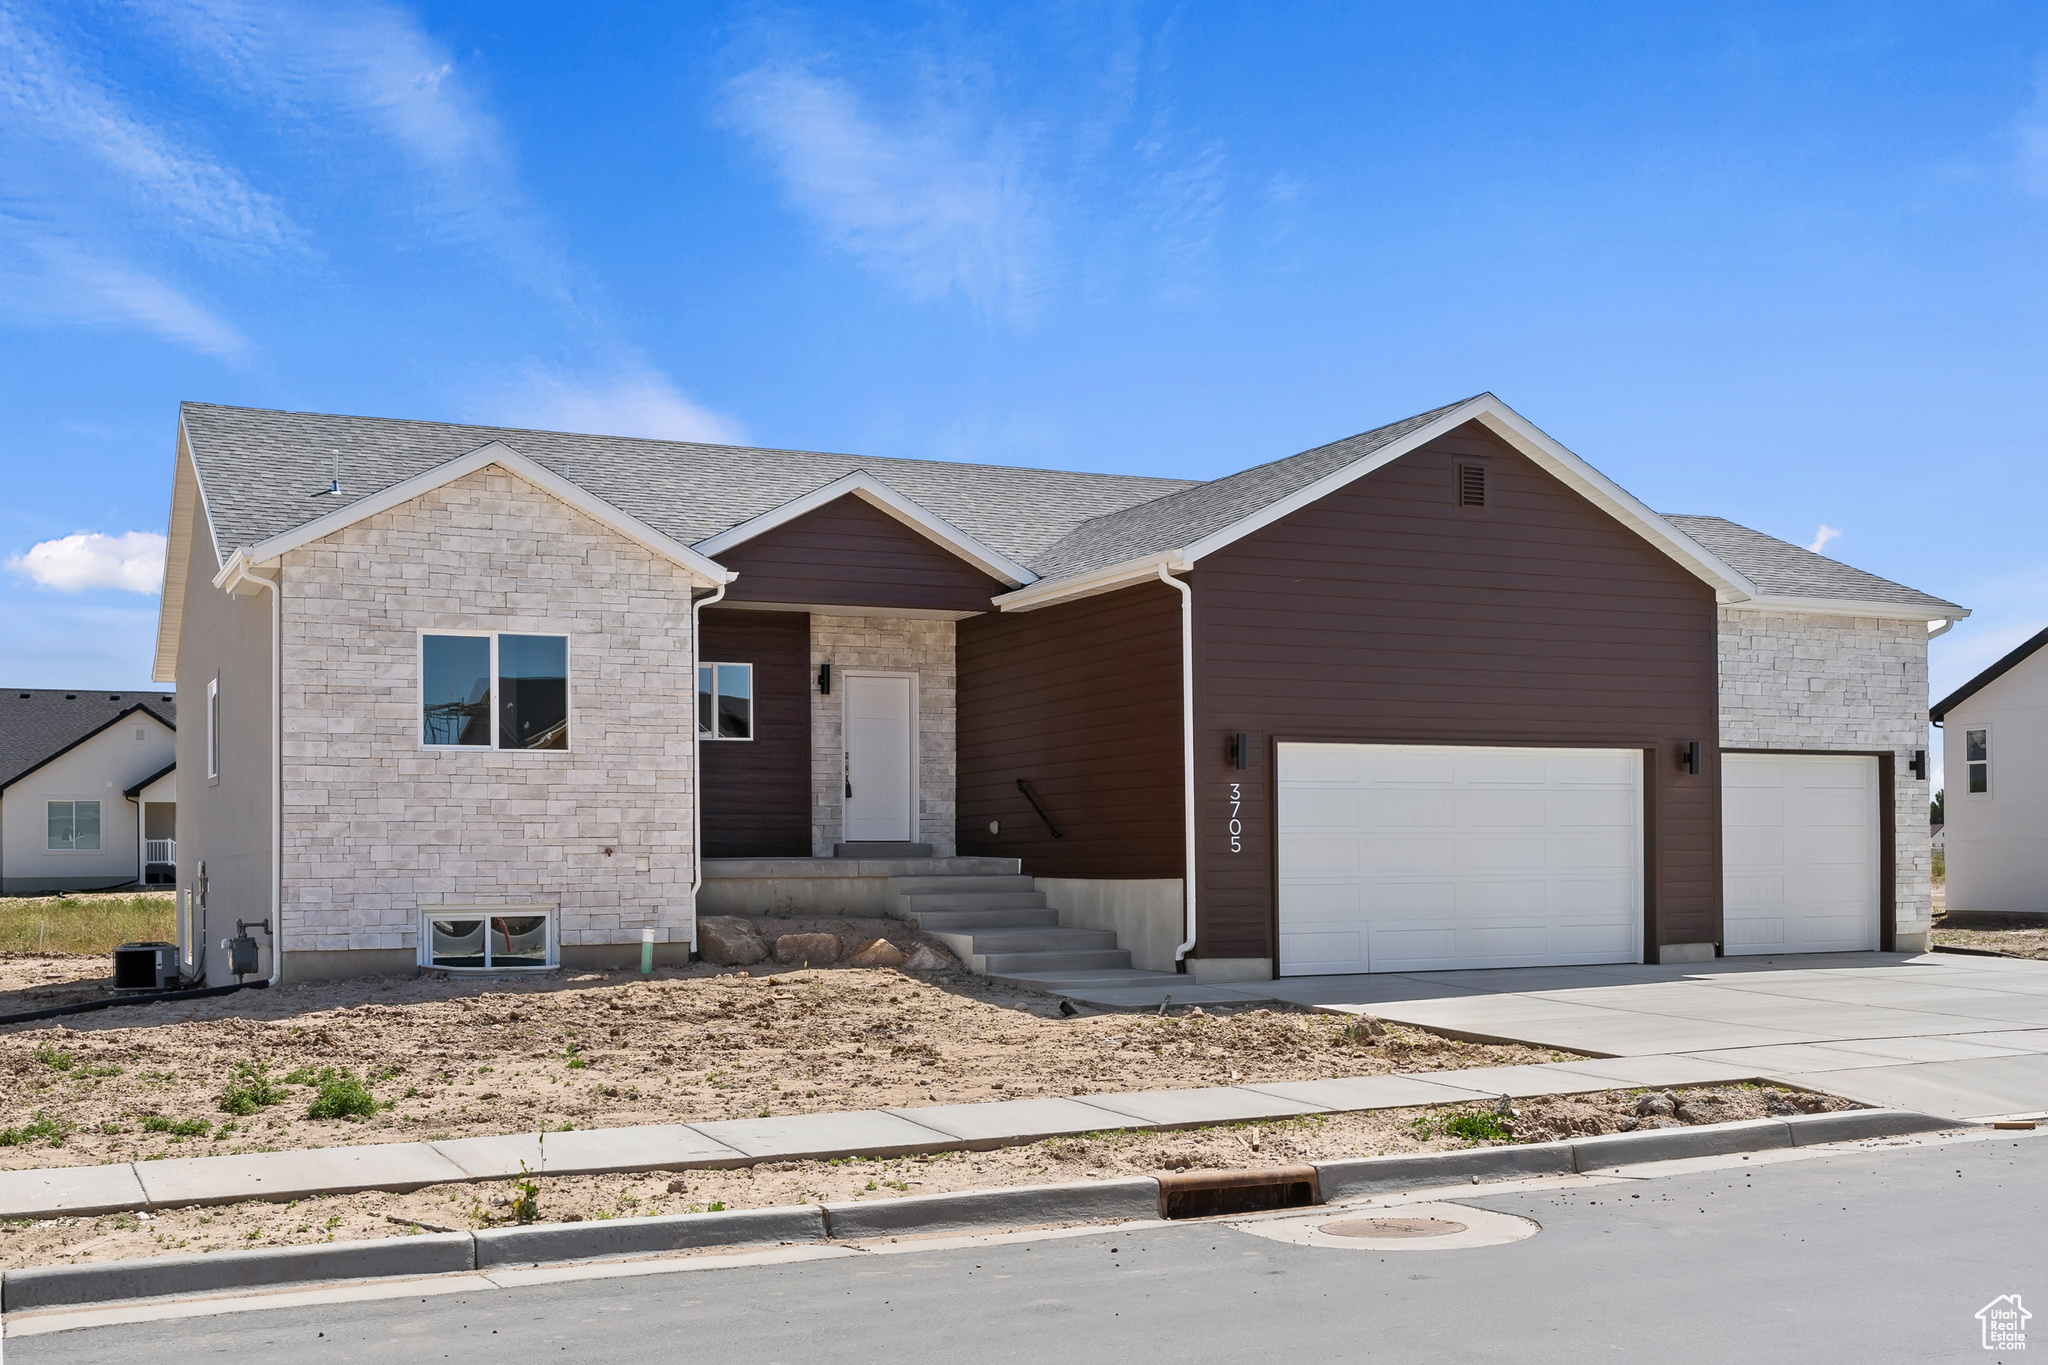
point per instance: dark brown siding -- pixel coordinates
(757, 794)
(1083, 702)
(847, 553)
(1386, 614)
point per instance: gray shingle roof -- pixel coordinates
(37, 724)
(260, 469)
(1782, 569)
(1180, 519)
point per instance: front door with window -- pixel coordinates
(880, 758)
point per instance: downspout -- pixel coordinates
(697, 757)
(276, 771)
(1946, 627)
(1187, 745)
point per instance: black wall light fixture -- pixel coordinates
(1240, 750)
(1918, 766)
(825, 679)
(1689, 758)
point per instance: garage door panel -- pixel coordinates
(1465, 856)
(1333, 952)
(1310, 857)
(1799, 853)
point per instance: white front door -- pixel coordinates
(1799, 847)
(1402, 858)
(881, 758)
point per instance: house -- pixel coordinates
(1995, 729)
(1436, 695)
(88, 790)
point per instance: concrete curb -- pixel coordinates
(595, 1241)
(153, 1277)
(1851, 1124)
(1386, 1174)
(1018, 1206)
(1676, 1144)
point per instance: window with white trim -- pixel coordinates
(74, 826)
(725, 701)
(1977, 761)
(494, 690)
(488, 940)
(213, 727)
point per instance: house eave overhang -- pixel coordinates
(1835, 606)
(696, 564)
(865, 486)
(1049, 592)
(188, 513)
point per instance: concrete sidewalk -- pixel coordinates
(72, 1191)
(1946, 1034)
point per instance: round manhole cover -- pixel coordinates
(1391, 1227)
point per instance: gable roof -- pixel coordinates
(2026, 650)
(38, 725)
(1784, 572)
(159, 775)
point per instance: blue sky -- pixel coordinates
(1780, 264)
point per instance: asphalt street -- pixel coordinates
(1879, 1255)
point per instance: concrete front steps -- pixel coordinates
(1000, 925)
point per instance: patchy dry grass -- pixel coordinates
(2012, 935)
(92, 923)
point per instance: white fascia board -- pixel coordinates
(873, 491)
(496, 453)
(188, 515)
(1517, 431)
(1048, 592)
(1836, 606)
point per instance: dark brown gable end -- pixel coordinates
(851, 554)
(1388, 613)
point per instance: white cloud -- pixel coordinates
(1822, 537)
(133, 562)
(940, 201)
(640, 402)
(52, 281)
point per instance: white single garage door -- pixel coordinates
(1799, 845)
(1397, 858)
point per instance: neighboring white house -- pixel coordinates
(1996, 764)
(88, 795)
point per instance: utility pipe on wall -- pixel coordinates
(697, 756)
(1187, 740)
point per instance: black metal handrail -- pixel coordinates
(1040, 809)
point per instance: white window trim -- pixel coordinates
(753, 699)
(1986, 760)
(419, 709)
(74, 801)
(549, 912)
(213, 728)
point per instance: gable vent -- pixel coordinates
(1471, 485)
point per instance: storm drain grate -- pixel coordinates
(1205, 1194)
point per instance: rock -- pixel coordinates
(1625, 1124)
(1662, 1123)
(1694, 1113)
(925, 958)
(729, 941)
(814, 950)
(880, 953)
(1655, 1105)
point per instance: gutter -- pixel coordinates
(1187, 742)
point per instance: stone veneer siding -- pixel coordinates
(891, 644)
(1791, 680)
(377, 828)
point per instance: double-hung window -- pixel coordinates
(74, 826)
(725, 701)
(213, 727)
(494, 690)
(484, 940)
(1977, 758)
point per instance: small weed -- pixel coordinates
(157, 1123)
(411, 1091)
(333, 1222)
(715, 1206)
(110, 1128)
(871, 1184)
(250, 1089)
(342, 1096)
(50, 1057)
(40, 1128)
(526, 1199)
(577, 1061)
(1478, 1127)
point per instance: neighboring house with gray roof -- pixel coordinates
(88, 789)
(1995, 760)
(1439, 694)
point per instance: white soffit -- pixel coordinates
(496, 453)
(188, 518)
(1836, 606)
(879, 495)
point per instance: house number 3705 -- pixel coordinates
(1236, 825)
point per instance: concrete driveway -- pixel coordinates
(1961, 1037)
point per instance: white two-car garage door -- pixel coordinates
(1413, 858)
(1799, 849)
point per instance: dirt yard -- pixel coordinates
(393, 1060)
(578, 1198)
(2012, 935)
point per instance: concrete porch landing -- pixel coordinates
(1962, 1037)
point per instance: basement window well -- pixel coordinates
(492, 941)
